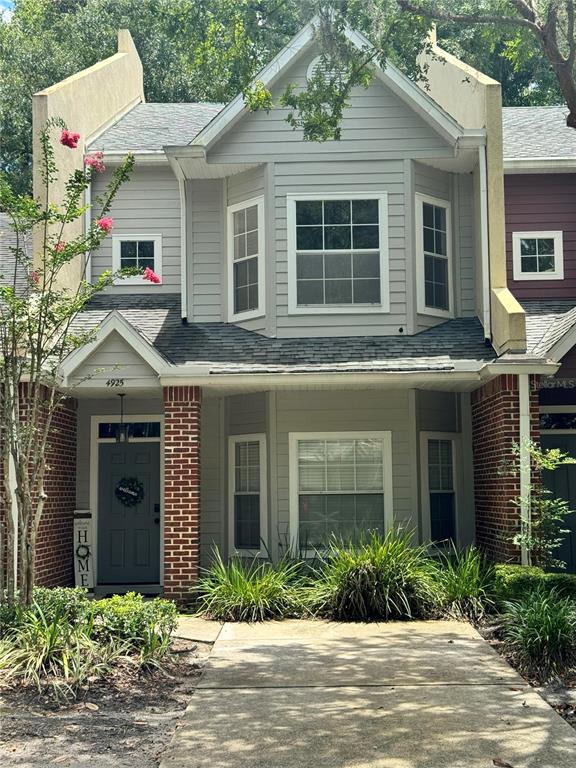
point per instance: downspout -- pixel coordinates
(484, 247)
(183, 251)
(524, 437)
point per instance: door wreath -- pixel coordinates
(129, 491)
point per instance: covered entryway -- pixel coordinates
(129, 513)
(562, 482)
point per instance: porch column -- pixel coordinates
(181, 490)
(496, 429)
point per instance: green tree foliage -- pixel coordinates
(210, 50)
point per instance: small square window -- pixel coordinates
(537, 255)
(137, 252)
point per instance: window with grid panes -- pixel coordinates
(436, 267)
(441, 490)
(247, 494)
(245, 253)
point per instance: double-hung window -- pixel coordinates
(247, 492)
(433, 250)
(139, 252)
(246, 259)
(438, 456)
(338, 253)
(340, 486)
(537, 255)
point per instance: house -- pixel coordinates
(333, 346)
(540, 189)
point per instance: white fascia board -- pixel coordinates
(563, 345)
(114, 322)
(409, 92)
(271, 72)
(538, 366)
(393, 78)
(540, 165)
(142, 157)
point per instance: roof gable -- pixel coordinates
(302, 43)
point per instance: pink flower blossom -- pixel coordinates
(95, 161)
(60, 245)
(34, 277)
(150, 275)
(69, 139)
(105, 224)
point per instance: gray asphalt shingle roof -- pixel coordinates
(230, 349)
(7, 258)
(537, 132)
(546, 323)
(149, 127)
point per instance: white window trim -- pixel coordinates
(356, 309)
(295, 437)
(261, 309)
(557, 409)
(557, 274)
(232, 440)
(419, 222)
(455, 438)
(116, 264)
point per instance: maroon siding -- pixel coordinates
(542, 202)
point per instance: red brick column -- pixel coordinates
(495, 432)
(54, 557)
(181, 490)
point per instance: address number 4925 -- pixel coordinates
(115, 383)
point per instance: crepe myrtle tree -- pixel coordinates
(36, 335)
(398, 31)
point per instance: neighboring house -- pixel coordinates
(332, 348)
(540, 185)
(12, 270)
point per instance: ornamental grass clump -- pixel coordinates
(249, 590)
(380, 577)
(539, 633)
(467, 582)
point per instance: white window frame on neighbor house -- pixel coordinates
(557, 409)
(387, 475)
(232, 441)
(355, 309)
(456, 440)
(117, 240)
(260, 256)
(556, 274)
(420, 256)
(95, 441)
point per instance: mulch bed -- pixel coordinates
(126, 721)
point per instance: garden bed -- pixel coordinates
(125, 721)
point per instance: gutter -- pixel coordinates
(540, 165)
(87, 222)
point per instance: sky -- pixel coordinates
(6, 7)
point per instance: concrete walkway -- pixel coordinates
(311, 694)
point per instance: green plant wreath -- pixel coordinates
(82, 551)
(129, 491)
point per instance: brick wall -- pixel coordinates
(54, 561)
(54, 558)
(181, 490)
(495, 430)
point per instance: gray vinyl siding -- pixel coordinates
(347, 412)
(213, 498)
(316, 176)
(437, 411)
(458, 190)
(116, 359)
(244, 186)
(149, 203)
(247, 414)
(206, 239)
(467, 243)
(377, 123)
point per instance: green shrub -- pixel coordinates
(381, 577)
(54, 652)
(515, 581)
(9, 617)
(539, 632)
(145, 625)
(249, 590)
(467, 581)
(72, 603)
